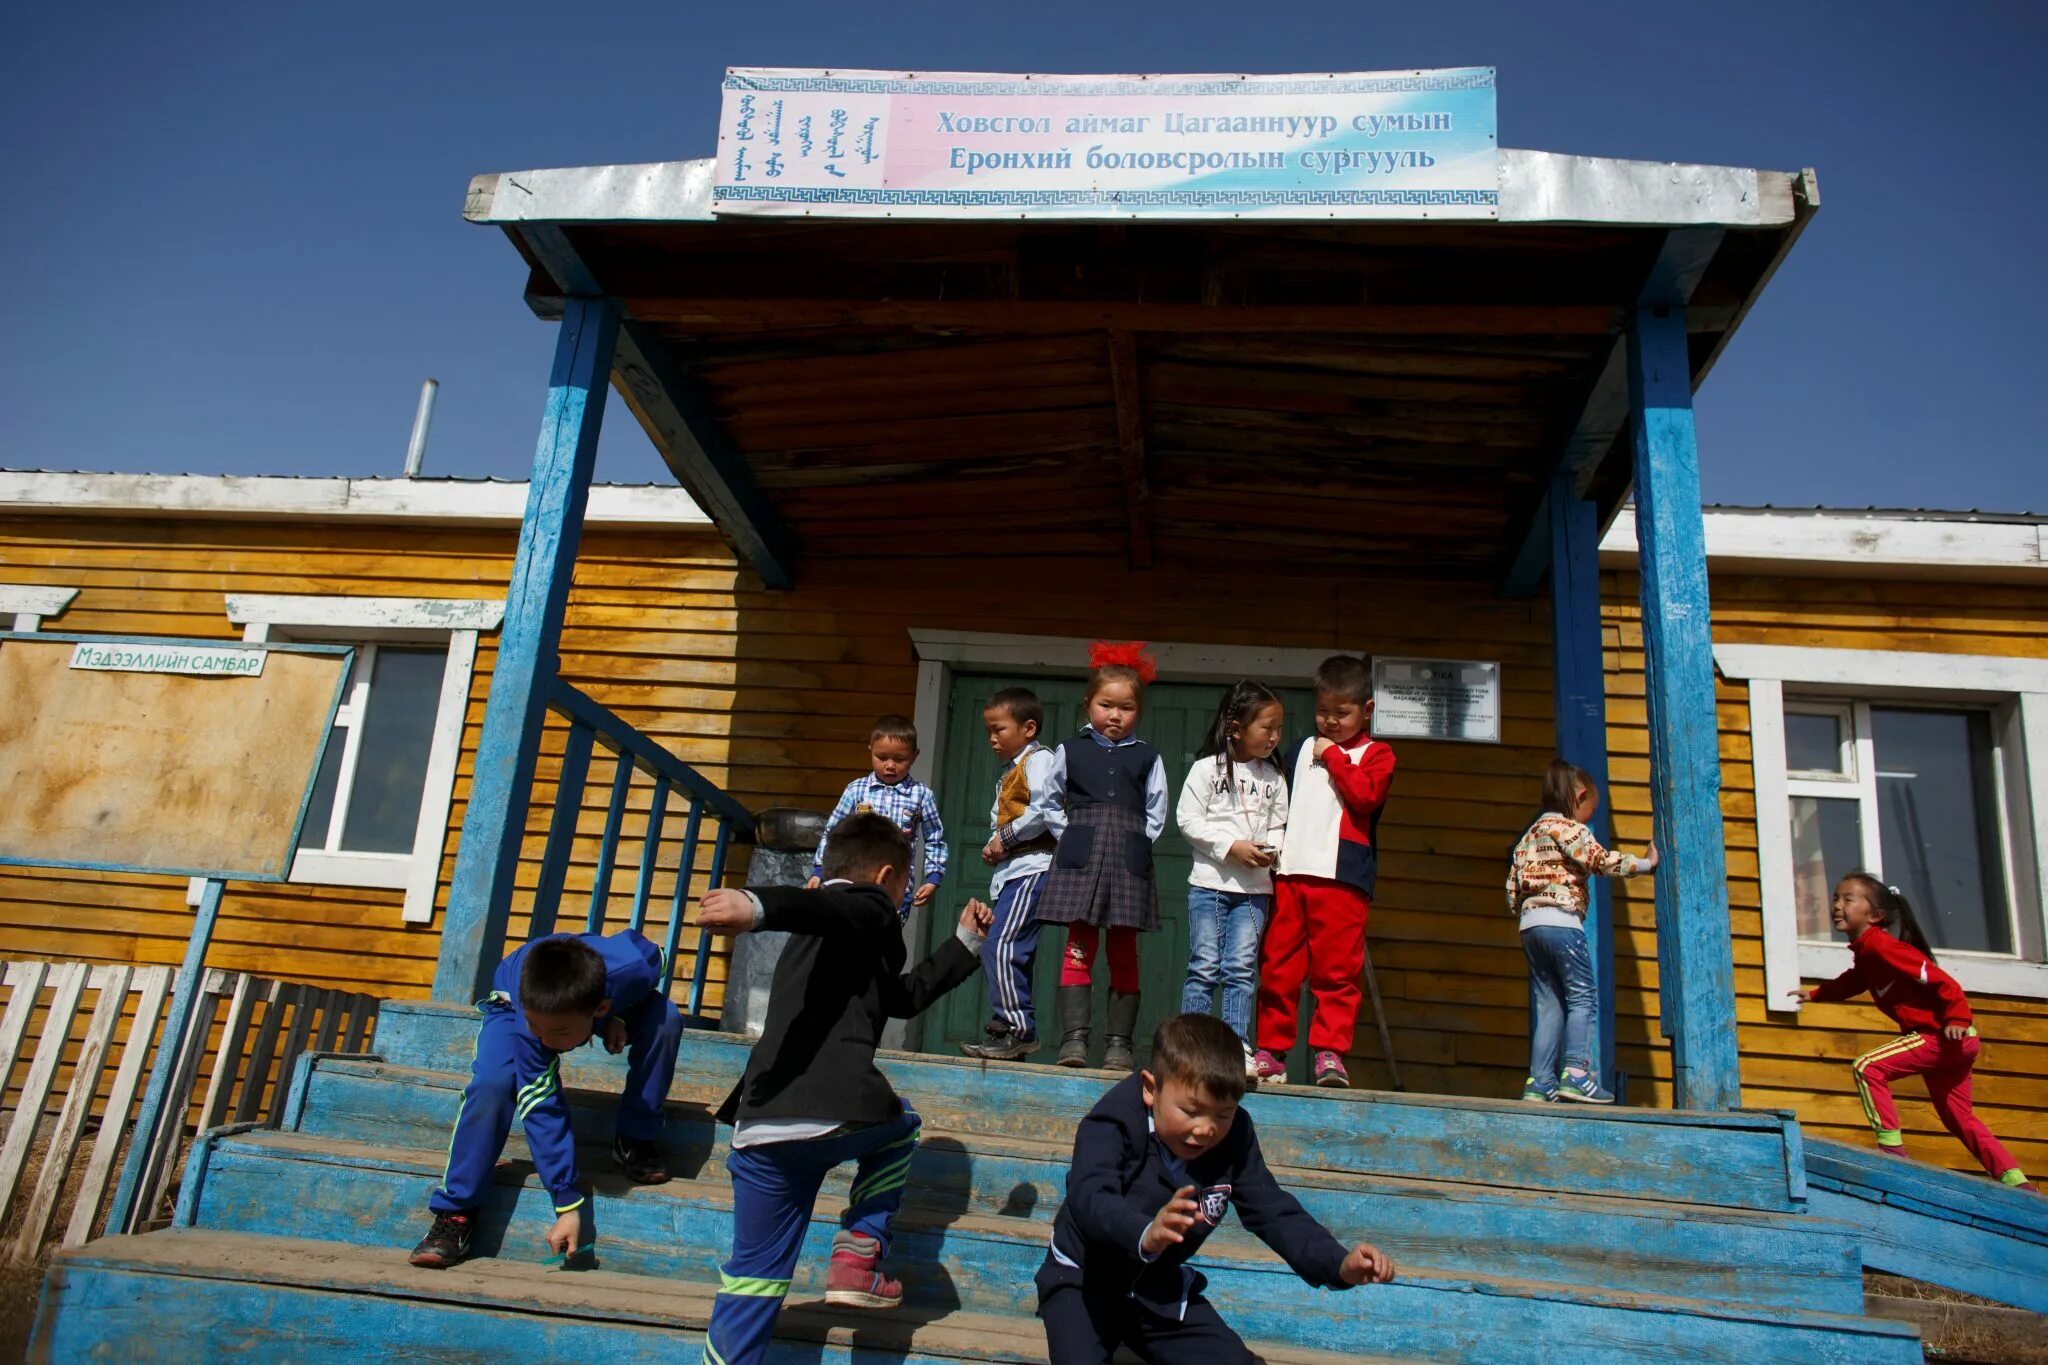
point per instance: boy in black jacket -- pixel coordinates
(812, 1096)
(1157, 1163)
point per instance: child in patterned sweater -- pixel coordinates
(1547, 890)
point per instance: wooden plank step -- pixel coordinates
(948, 1258)
(1739, 1160)
(183, 1295)
(1646, 1245)
(1961, 1231)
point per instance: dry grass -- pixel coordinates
(1958, 1327)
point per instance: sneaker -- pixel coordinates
(1251, 1066)
(1536, 1094)
(1003, 1045)
(1329, 1070)
(642, 1161)
(446, 1242)
(1581, 1087)
(1270, 1068)
(855, 1278)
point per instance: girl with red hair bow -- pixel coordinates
(1108, 792)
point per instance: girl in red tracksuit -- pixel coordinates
(1894, 963)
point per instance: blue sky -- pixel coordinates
(238, 240)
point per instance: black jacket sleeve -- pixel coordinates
(825, 913)
(911, 993)
(1277, 1218)
(1095, 1186)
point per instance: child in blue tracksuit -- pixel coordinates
(1158, 1163)
(552, 995)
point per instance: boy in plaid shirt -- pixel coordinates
(891, 791)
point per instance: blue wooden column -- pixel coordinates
(480, 898)
(1579, 681)
(1695, 956)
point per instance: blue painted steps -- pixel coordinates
(1966, 1232)
(1741, 1160)
(314, 1301)
(274, 1183)
(1637, 1245)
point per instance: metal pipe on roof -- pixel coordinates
(416, 450)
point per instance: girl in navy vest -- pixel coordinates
(1108, 788)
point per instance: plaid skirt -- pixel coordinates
(1101, 873)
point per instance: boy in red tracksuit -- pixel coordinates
(1892, 961)
(1322, 889)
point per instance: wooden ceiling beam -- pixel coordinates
(1130, 432)
(1020, 316)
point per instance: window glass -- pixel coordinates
(320, 811)
(1827, 841)
(1938, 823)
(391, 766)
(1813, 741)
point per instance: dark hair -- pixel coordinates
(1346, 675)
(561, 975)
(863, 842)
(1244, 700)
(1895, 913)
(1199, 1050)
(893, 726)
(1561, 783)
(1109, 673)
(1022, 703)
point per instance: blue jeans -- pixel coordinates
(1561, 996)
(1223, 950)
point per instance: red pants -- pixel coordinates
(1318, 932)
(1077, 964)
(1946, 1063)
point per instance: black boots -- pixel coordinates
(1075, 1005)
(1123, 1022)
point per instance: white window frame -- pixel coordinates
(368, 622)
(24, 608)
(2013, 691)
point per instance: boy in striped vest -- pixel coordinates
(1020, 851)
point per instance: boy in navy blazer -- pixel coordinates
(1157, 1163)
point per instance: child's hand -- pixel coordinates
(562, 1236)
(1316, 747)
(1250, 854)
(1169, 1226)
(812, 884)
(992, 851)
(923, 895)
(1649, 858)
(726, 911)
(1955, 1033)
(1367, 1265)
(1803, 993)
(976, 918)
(615, 1036)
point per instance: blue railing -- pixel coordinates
(592, 726)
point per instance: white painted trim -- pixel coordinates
(455, 622)
(448, 501)
(1068, 654)
(437, 793)
(1825, 542)
(1883, 672)
(1874, 675)
(339, 614)
(20, 599)
(1975, 973)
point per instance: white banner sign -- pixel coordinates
(197, 660)
(1393, 144)
(1436, 699)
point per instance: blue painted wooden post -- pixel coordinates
(702, 966)
(679, 905)
(1694, 949)
(608, 846)
(554, 859)
(129, 1212)
(1579, 681)
(650, 854)
(480, 897)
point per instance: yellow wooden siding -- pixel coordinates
(770, 694)
(1799, 1060)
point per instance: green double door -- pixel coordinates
(1177, 716)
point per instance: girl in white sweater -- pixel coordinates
(1232, 811)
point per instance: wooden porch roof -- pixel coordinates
(1367, 396)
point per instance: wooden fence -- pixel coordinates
(247, 1057)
